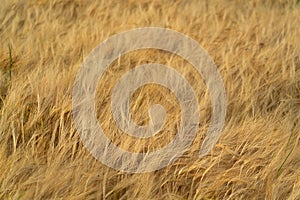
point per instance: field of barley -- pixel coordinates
(255, 45)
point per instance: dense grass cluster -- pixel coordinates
(256, 47)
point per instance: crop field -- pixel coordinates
(255, 45)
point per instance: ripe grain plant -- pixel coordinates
(256, 46)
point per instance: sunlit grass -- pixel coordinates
(256, 47)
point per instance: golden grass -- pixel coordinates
(256, 46)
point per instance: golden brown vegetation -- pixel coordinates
(256, 46)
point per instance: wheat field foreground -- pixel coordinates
(256, 47)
